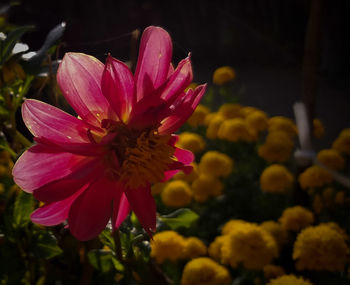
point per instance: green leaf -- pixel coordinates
(46, 246)
(117, 264)
(7, 45)
(180, 218)
(24, 205)
(101, 259)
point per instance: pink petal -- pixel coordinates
(90, 212)
(144, 206)
(44, 120)
(121, 209)
(184, 157)
(118, 86)
(41, 164)
(54, 213)
(79, 76)
(153, 62)
(182, 111)
(61, 189)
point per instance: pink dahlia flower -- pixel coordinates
(100, 165)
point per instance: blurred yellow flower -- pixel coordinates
(337, 228)
(283, 124)
(214, 126)
(230, 111)
(234, 130)
(331, 158)
(205, 186)
(250, 245)
(167, 245)
(12, 71)
(340, 198)
(191, 141)
(176, 193)
(247, 110)
(342, 142)
(216, 164)
(257, 120)
(289, 280)
(223, 75)
(205, 271)
(214, 249)
(193, 175)
(314, 176)
(278, 147)
(273, 271)
(279, 233)
(276, 178)
(198, 116)
(327, 195)
(318, 128)
(296, 218)
(193, 248)
(320, 248)
(231, 225)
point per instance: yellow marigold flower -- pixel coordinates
(296, 218)
(289, 280)
(276, 178)
(193, 248)
(176, 193)
(247, 110)
(342, 142)
(234, 130)
(331, 158)
(205, 186)
(318, 128)
(216, 164)
(336, 227)
(198, 116)
(4, 171)
(230, 111)
(191, 141)
(278, 147)
(2, 188)
(283, 124)
(214, 126)
(257, 120)
(315, 176)
(277, 231)
(209, 117)
(273, 271)
(250, 245)
(167, 245)
(231, 225)
(317, 204)
(205, 271)
(340, 198)
(158, 188)
(327, 195)
(214, 249)
(320, 248)
(193, 175)
(223, 75)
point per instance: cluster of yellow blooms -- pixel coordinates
(170, 245)
(205, 271)
(342, 142)
(315, 176)
(320, 248)
(276, 178)
(296, 218)
(244, 243)
(203, 182)
(289, 280)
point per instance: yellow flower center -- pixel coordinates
(143, 158)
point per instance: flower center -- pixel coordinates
(143, 158)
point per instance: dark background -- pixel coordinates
(262, 39)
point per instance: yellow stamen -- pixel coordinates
(146, 162)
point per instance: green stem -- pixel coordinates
(22, 139)
(118, 246)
